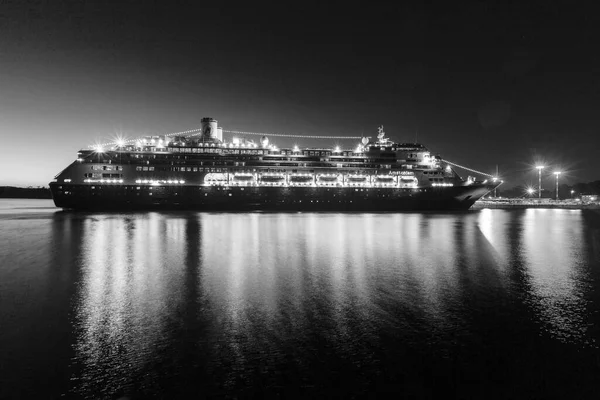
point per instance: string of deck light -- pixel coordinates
(469, 169)
(293, 136)
(190, 132)
(198, 131)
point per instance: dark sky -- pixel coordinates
(481, 83)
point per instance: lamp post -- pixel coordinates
(530, 191)
(557, 173)
(540, 168)
(495, 179)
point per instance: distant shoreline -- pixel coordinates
(480, 205)
(12, 192)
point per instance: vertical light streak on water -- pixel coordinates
(493, 224)
(240, 302)
(295, 278)
(352, 248)
(126, 295)
(331, 255)
(90, 313)
(434, 270)
(484, 249)
(553, 248)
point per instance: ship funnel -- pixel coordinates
(209, 128)
(365, 140)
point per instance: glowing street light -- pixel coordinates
(572, 191)
(557, 173)
(540, 168)
(530, 191)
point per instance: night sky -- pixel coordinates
(481, 83)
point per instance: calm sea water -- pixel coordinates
(490, 303)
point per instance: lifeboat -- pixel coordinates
(408, 181)
(301, 178)
(327, 179)
(385, 179)
(357, 179)
(215, 179)
(272, 178)
(243, 178)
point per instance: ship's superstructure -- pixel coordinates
(205, 172)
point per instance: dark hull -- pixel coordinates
(122, 197)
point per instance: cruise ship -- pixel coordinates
(202, 171)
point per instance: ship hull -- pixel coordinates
(210, 198)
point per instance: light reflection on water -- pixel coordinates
(265, 279)
(556, 259)
(220, 303)
(127, 294)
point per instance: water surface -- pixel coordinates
(488, 303)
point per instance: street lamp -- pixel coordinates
(572, 191)
(557, 173)
(494, 179)
(530, 191)
(540, 168)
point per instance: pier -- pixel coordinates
(508, 203)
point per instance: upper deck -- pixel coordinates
(196, 160)
(371, 155)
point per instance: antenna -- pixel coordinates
(496, 177)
